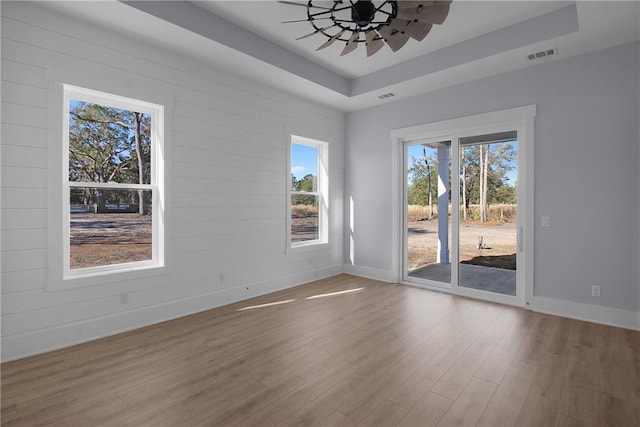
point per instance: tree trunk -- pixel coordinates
(429, 190)
(464, 187)
(485, 186)
(138, 120)
(480, 185)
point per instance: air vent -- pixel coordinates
(387, 95)
(542, 54)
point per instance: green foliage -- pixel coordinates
(307, 184)
(422, 172)
(502, 159)
(102, 148)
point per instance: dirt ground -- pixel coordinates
(499, 244)
(304, 228)
(104, 239)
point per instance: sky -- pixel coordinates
(304, 160)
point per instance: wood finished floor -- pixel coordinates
(384, 355)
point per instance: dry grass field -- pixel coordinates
(497, 213)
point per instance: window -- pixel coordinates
(308, 192)
(112, 183)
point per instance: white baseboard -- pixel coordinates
(371, 273)
(44, 340)
(591, 313)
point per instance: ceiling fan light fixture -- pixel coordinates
(381, 22)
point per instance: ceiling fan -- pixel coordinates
(373, 23)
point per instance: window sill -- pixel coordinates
(308, 246)
(135, 271)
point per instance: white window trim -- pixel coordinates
(62, 276)
(322, 191)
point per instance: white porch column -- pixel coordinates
(443, 204)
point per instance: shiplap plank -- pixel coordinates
(207, 145)
(28, 259)
(214, 130)
(221, 172)
(246, 160)
(24, 136)
(59, 44)
(24, 74)
(24, 115)
(23, 281)
(24, 198)
(23, 156)
(25, 177)
(228, 141)
(24, 239)
(18, 219)
(25, 94)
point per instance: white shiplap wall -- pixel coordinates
(227, 200)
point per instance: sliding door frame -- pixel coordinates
(520, 119)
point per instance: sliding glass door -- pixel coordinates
(461, 213)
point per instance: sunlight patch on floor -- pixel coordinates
(348, 291)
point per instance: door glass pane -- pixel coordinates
(428, 211)
(488, 213)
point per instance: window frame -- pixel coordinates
(156, 186)
(322, 191)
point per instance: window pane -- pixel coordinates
(304, 218)
(304, 168)
(109, 227)
(108, 144)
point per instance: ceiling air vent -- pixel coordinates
(387, 95)
(542, 54)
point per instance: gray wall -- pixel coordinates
(586, 169)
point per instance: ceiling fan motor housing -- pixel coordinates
(363, 12)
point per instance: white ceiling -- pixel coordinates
(478, 39)
(265, 19)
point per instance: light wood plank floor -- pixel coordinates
(376, 355)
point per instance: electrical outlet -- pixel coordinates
(595, 291)
(545, 221)
(124, 298)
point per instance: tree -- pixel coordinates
(307, 184)
(484, 168)
(108, 144)
(424, 182)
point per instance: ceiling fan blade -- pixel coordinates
(315, 32)
(435, 14)
(418, 30)
(402, 4)
(305, 20)
(352, 44)
(414, 4)
(374, 43)
(331, 40)
(393, 36)
(302, 4)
